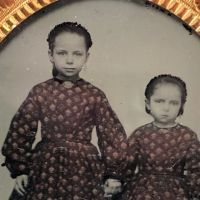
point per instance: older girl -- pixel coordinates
(64, 164)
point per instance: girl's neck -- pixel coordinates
(73, 78)
(159, 125)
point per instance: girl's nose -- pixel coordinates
(166, 106)
(69, 59)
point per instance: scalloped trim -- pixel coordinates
(186, 10)
(10, 17)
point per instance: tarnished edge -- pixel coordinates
(17, 13)
(11, 16)
(183, 10)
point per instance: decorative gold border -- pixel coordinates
(13, 12)
(187, 10)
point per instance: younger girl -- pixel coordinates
(166, 153)
(64, 164)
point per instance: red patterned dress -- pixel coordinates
(168, 162)
(64, 164)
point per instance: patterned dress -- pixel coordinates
(167, 162)
(64, 164)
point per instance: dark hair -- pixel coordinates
(166, 78)
(71, 27)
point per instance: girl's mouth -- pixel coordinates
(164, 116)
(69, 69)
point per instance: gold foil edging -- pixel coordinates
(187, 10)
(13, 12)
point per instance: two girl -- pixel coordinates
(65, 165)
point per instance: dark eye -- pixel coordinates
(159, 100)
(174, 102)
(61, 53)
(78, 53)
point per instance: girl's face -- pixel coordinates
(69, 54)
(164, 104)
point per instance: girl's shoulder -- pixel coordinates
(187, 131)
(91, 88)
(36, 89)
(89, 84)
(43, 84)
(142, 130)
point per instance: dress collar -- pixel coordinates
(72, 79)
(168, 127)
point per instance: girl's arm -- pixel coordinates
(21, 135)
(111, 137)
(132, 156)
(192, 168)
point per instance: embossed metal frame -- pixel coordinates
(14, 12)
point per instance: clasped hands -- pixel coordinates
(111, 186)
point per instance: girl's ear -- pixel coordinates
(88, 54)
(50, 56)
(147, 104)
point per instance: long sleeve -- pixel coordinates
(192, 168)
(111, 137)
(132, 156)
(21, 135)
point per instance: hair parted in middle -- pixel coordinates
(166, 79)
(71, 27)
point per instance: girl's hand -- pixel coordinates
(21, 183)
(112, 187)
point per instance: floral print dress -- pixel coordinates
(167, 162)
(64, 164)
